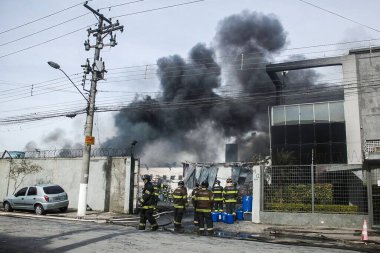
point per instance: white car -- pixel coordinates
(39, 198)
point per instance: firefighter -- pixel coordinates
(230, 194)
(165, 193)
(179, 203)
(147, 202)
(193, 193)
(217, 191)
(157, 189)
(204, 201)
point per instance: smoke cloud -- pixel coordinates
(200, 108)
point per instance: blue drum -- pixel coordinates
(229, 218)
(247, 204)
(239, 215)
(214, 216)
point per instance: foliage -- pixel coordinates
(19, 170)
(297, 198)
(293, 207)
(284, 157)
(300, 194)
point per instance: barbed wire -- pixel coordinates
(68, 153)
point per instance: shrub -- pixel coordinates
(300, 208)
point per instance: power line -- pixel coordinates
(218, 72)
(62, 23)
(118, 5)
(159, 8)
(39, 19)
(42, 43)
(43, 30)
(339, 15)
(253, 98)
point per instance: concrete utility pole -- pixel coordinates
(97, 71)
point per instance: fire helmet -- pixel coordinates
(146, 177)
(181, 183)
(204, 184)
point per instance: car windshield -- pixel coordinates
(55, 189)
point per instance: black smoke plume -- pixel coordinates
(200, 108)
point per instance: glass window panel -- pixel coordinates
(306, 114)
(278, 135)
(294, 152)
(292, 134)
(338, 132)
(322, 133)
(307, 133)
(278, 114)
(339, 153)
(292, 114)
(337, 112)
(306, 150)
(321, 113)
(322, 154)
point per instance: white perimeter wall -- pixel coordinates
(66, 173)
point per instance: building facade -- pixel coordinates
(328, 145)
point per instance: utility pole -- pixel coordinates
(97, 69)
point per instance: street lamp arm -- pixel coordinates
(74, 85)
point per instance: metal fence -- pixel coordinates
(67, 153)
(375, 177)
(319, 189)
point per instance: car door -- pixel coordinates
(19, 200)
(30, 198)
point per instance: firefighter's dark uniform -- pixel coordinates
(147, 202)
(230, 194)
(204, 201)
(193, 193)
(179, 203)
(156, 187)
(217, 191)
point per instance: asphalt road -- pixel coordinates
(34, 235)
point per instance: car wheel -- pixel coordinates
(8, 207)
(63, 209)
(39, 210)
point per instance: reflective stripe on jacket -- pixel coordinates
(230, 194)
(217, 191)
(148, 198)
(203, 200)
(180, 197)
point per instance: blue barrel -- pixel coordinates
(224, 216)
(229, 218)
(239, 215)
(214, 216)
(247, 204)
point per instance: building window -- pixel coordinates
(172, 177)
(336, 112)
(321, 113)
(306, 114)
(292, 115)
(278, 113)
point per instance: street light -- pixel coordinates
(89, 140)
(56, 66)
